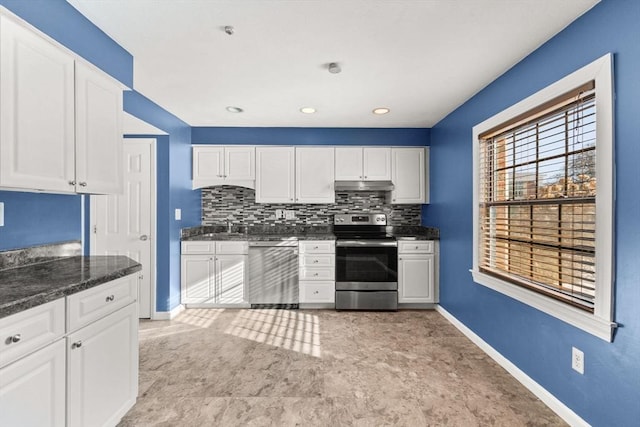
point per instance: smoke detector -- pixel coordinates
(334, 68)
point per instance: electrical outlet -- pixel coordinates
(178, 214)
(290, 214)
(577, 360)
(1, 214)
(279, 213)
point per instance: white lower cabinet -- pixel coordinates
(230, 278)
(317, 271)
(416, 272)
(83, 375)
(214, 278)
(102, 369)
(32, 390)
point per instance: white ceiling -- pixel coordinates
(420, 58)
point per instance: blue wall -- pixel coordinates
(309, 136)
(37, 219)
(608, 394)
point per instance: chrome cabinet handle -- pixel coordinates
(315, 261)
(144, 237)
(316, 292)
(82, 184)
(72, 183)
(76, 344)
(110, 298)
(13, 339)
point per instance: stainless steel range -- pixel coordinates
(366, 263)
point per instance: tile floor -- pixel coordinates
(231, 367)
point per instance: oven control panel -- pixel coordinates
(360, 219)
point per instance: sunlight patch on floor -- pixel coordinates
(286, 329)
(200, 317)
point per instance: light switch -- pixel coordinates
(178, 214)
(1, 214)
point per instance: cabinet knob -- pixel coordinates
(315, 274)
(72, 183)
(315, 261)
(76, 344)
(13, 339)
(417, 247)
(316, 292)
(219, 176)
(144, 237)
(365, 177)
(109, 298)
(82, 184)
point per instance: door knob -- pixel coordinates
(144, 237)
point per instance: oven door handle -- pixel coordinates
(366, 243)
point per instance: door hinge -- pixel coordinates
(95, 229)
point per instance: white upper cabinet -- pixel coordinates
(409, 166)
(363, 163)
(98, 132)
(377, 163)
(349, 164)
(216, 165)
(36, 112)
(315, 175)
(61, 126)
(275, 174)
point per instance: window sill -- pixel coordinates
(601, 328)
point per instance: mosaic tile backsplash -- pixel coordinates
(238, 204)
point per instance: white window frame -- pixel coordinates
(600, 323)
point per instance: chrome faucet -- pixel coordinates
(228, 226)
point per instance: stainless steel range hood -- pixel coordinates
(364, 186)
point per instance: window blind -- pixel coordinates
(538, 198)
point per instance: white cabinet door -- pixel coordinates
(102, 369)
(315, 175)
(230, 278)
(36, 112)
(208, 163)
(408, 175)
(377, 163)
(348, 164)
(416, 278)
(275, 174)
(99, 142)
(240, 163)
(197, 279)
(32, 390)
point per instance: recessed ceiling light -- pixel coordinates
(382, 110)
(232, 109)
(308, 110)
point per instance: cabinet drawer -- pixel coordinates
(318, 247)
(232, 247)
(24, 332)
(416, 246)
(320, 260)
(95, 303)
(310, 273)
(198, 247)
(317, 292)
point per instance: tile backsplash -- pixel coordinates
(238, 204)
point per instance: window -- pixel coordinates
(543, 186)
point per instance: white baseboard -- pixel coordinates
(547, 398)
(168, 315)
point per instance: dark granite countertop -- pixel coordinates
(34, 284)
(265, 233)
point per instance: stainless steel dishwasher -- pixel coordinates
(273, 274)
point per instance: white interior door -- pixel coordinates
(123, 223)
